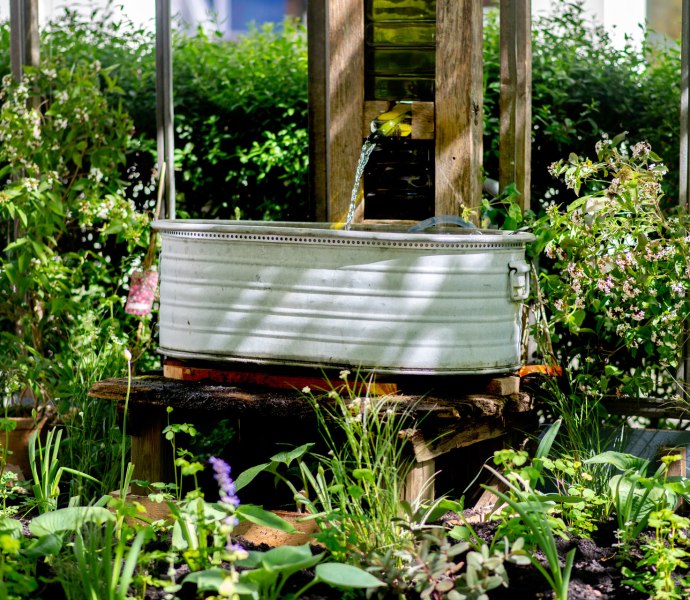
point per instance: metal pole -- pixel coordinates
(164, 104)
(684, 199)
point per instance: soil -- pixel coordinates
(596, 571)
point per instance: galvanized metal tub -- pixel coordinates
(375, 297)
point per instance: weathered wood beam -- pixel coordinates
(458, 106)
(24, 36)
(317, 41)
(341, 107)
(516, 97)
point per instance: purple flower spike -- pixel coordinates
(225, 483)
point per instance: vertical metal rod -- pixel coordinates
(684, 199)
(164, 104)
(24, 40)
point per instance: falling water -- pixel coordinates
(367, 149)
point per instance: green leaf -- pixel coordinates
(11, 527)
(46, 545)
(209, 580)
(260, 516)
(247, 476)
(620, 460)
(366, 474)
(347, 576)
(548, 439)
(69, 519)
(290, 455)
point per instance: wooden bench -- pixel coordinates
(458, 412)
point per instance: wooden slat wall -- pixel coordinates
(458, 106)
(516, 97)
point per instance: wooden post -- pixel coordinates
(24, 38)
(459, 119)
(151, 455)
(336, 96)
(317, 39)
(516, 97)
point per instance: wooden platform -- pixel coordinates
(458, 412)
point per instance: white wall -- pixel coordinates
(618, 16)
(141, 12)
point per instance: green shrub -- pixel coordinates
(584, 87)
(241, 111)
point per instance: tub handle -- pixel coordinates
(519, 280)
(441, 220)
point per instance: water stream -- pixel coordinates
(385, 125)
(367, 149)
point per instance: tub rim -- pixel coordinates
(310, 232)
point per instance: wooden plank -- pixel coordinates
(516, 97)
(458, 106)
(150, 450)
(345, 97)
(423, 120)
(24, 36)
(317, 35)
(419, 484)
(653, 408)
(452, 438)
(182, 372)
(372, 109)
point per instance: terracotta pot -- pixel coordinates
(18, 443)
(258, 534)
(153, 511)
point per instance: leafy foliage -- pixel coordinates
(617, 284)
(583, 87)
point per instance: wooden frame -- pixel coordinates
(339, 115)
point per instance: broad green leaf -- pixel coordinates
(69, 519)
(260, 516)
(290, 558)
(548, 439)
(44, 546)
(246, 477)
(348, 576)
(12, 527)
(620, 460)
(209, 580)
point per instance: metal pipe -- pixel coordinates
(164, 104)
